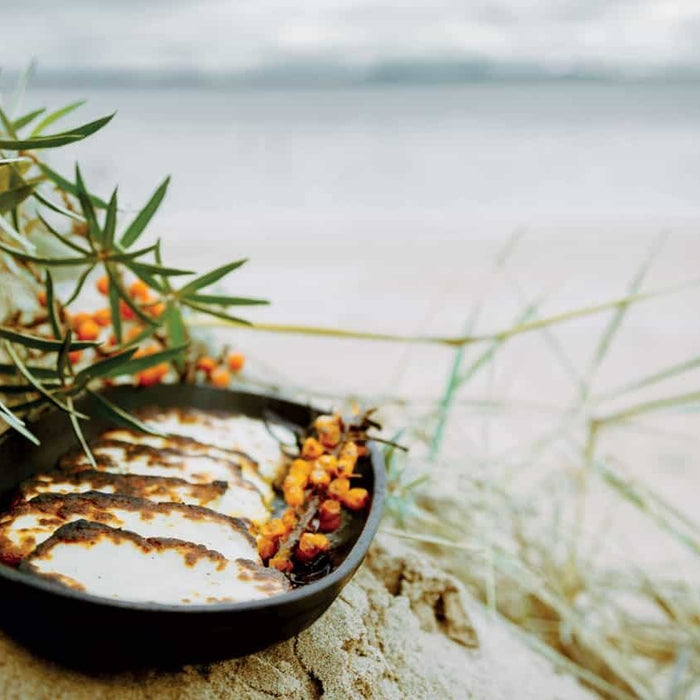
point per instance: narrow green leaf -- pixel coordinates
(20, 123)
(122, 293)
(50, 119)
(63, 239)
(138, 364)
(177, 331)
(21, 87)
(223, 300)
(134, 342)
(47, 262)
(7, 124)
(110, 220)
(120, 416)
(155, 269)
(103, 367)
(51, 305)
(15, 423)
(214, 312)
(14, 389)
(63, 366)
(40, 372)
(81, 283)
(9, 199)
(143, 218)
(15, 236)
(55, 140)
(211, 277)
(35, 382)
(45, 344)
(124, 257)
(79, 434)
(146, 277)
(57, 207)
(67, 186)
(114, 304)
(94, 230)
(14, 161)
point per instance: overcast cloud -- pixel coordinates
(228, 36)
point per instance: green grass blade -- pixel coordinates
(23, 121)
(55, 140)
(211, 277)
(52, 118)
(144, 217)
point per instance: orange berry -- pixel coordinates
(328, 463)
(79, 318)
(267, 547)
(126, 311)
(311, 545)
(88, 330)
(139, 290)
(273, 529)
(75, 356)
(132, 333)
(153, 375)
(103, 285)
(329, 429)
(41, 297)
(346, 466)
(296, 479)
(330, 516)
(294, 496)
(102, 317)
(235, 361)
(289, 519)
(338, 488)
(301, 467)
(312, 449)
(220, 377)
(318, 477)
(156, 310)
(281, 562)
(206, 364)
(356, 499)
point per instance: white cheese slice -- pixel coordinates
(121, 565)
(28, 524)
(237, 499)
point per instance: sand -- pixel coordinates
(401, 629)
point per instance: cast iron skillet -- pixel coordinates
(90, 632)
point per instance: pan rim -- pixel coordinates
(342, 573)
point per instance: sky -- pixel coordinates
(230, 37)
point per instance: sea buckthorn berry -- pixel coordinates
(88, 330)
(330, 516)
(294, 496)
(339, 487)
(328, 463)
(155, 310)
(289, 518)
(139, 290)
(311, 545)
(295, 479)
(125, 311)
(319, 478)
(329, 430)
(300, 466)
(281, 562)
(206, 364)
(235, 361)
(346, 466)
(79, 318)
(356, 499)
(273, 529)
(350, 450)
(103, 285)
(41, 297)
(267, 547)
(312, 449)
(220, 377)
(102, 317)
(75, 356)
(153, 375)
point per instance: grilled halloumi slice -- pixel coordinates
(240, 499)
(28, 524)
(120, 457)
(118, 564)
(186, 447)
(238, 433)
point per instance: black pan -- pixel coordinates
(91, 632)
